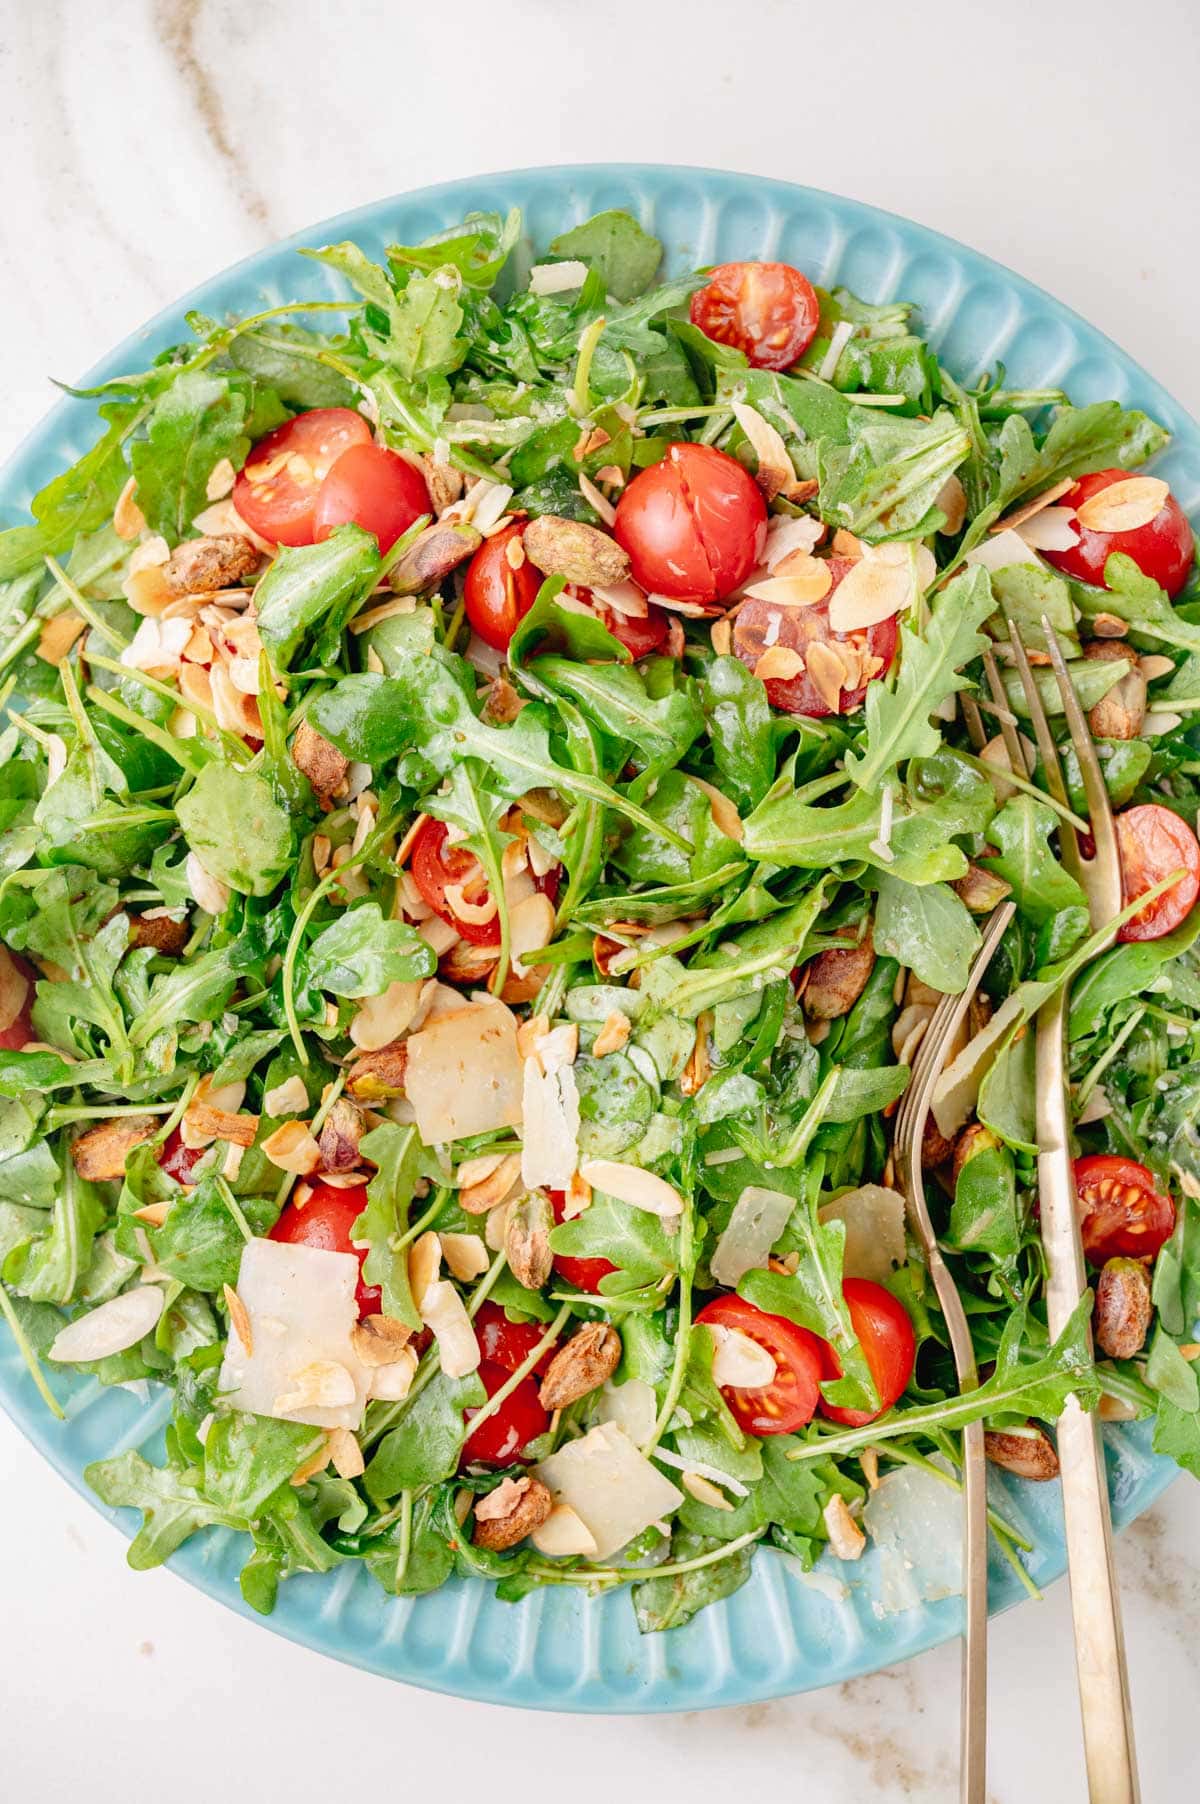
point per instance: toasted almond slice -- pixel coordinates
(474, 1171)
(805, 579)
(392, 1382)
(346, 1454)
(705, 1491)
(613, 1034)
(424, 1265)
(1125, 506)
(128, 519)
(846, 1539)
(443, 1310)
(292, 1148)
(1052, 529)
(323, 1384)
(1154, 665)
(780, 663)
(487, 1193)
(477, 913)
(845, 544)
(1034, 505)
(531, 926)
(564, 1533)
(725, 816)
(872, 591)
(313, 1463)
(828, 673)
(379, 1340)
(465, 1255)
(952, 499)
(221, 479)
(775, 471)
(739, 1361)
(597, 500)
(721, 635)
(239, 1319)
(630, 1184)
(58, 635)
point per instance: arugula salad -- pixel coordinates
(487, 812)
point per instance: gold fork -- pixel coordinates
(908, 1134)
(1095, 1604)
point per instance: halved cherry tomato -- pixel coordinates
(1162, 549)
(502, 1438)
(276, 493)
(885, 1333)
(768, 310)
(325, 1221)
(1154, 842)
(17, 996)
(1122, 1213)
(498, 595)
(435, 864)
(371, 487)
(582, 1274)
(180, 1161)
(506, 1343)
(758, 624)
(790, 1399)
(692, 524)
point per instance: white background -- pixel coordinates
(147, 145)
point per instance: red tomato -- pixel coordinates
(502, 1439)
(1162, 549)
(767, 310)
(790, 1399)
(498, 595)
(641, 635)
(177, 1160)
(1154, 842)
(889, 1345)
(692, 524)
(1122, 1214)
(581, 1274)
(276, 493)
(325, 1221)
(371, 487)
(17, 996)
(758, 624)
(434, 864)
(508, 1344)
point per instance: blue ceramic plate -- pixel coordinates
(557, 1650)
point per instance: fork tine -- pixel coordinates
(976, 730)
(1103, 870)
(1055, 781)
(1008, 731)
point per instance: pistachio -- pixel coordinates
(315, 758)
(1026, 1452)
(583, 554)
(376, 1076)
(99, 1155)
(981, 890)
(201, 565)
(432, 556)
(341, 1132)
(1120, 713)
(513, 1510)
(1121, 1315)
(590, 1357)
(527, 1239)
(834, 980)
(971, 1142)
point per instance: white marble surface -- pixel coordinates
(150, 142)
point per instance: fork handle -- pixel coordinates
(973, 1711)
(1095, 1604)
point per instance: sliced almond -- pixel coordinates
(801, 580)
(313, 1463)
(486, 1193)
(466, 1256)
(872, 591)
(846, 1539)
(630, 1184)
(564, 1534)
(705, 1491)
(952, 499)
(779, 663)
(424, 1265)
(1124, 506)
(128, 519)
(153, 1214)
(58, 635)
(324, 1384)
(775, 471)
(443, 1310)
(379, 1340)
(613, 1034)
(827, 672)
(726, 818)
(346, 1454)
(392, 1382)
(531, 927)
(239, 1319)
(292, 1148)
(474, 1171)
(1034, 505)
(721, 635)
(1053, 529)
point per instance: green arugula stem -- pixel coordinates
(992, 771)
(404, 1548)
(25, 1348)
(83, 607)
(235, 1209)
(523, 1370)
(683, 1328)
(623, 1575)
(1097, 1071)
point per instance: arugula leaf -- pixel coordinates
(983, 1218)
(237, 829)
(616, 699)
(200, 1243)
(53, 1268)
(1080, 439)
(613, 243)
(170, 1501)
(897, 718)
(308, 583)
(928, 929)
(424, 1446)
(668, 1603)
(360, 954)
(884, 482)
(196, 421)
(738, 717)
(400, 1161)
(247, 1458)
(81, 498)
(1021, 832)
(478, 248)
